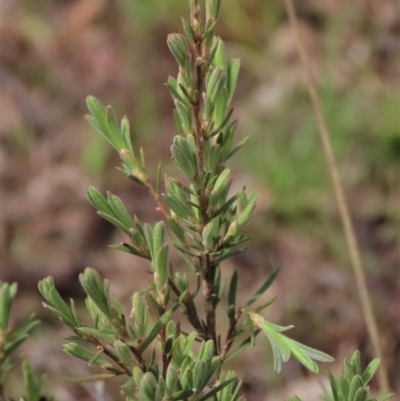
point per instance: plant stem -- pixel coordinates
(156, 197)
(206, 266)
(342, 204)
(229, 335)
(98, 345)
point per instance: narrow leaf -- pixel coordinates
(370, 371)
(216, 389)
(263, 288)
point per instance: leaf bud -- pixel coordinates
(124, 154)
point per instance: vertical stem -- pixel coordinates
(206, 266)
(351, 239)
(165, 359)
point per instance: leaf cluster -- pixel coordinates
(352, 385)
(11, 339)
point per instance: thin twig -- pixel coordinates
(99, 346)
(348, 227)
(160, 206)
(230, 335)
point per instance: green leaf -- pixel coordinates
(344, 386)
(126, 134)
(188, 147)
(222, 182)
(113, 131)
(98, 201)
(16, 337)
(148, 385)
(188, 31)
(355, 361)
(115, 222)
(153, 307)
(158, 237)
(161, 323)
(348, 370)
(221, 105)
(243, 345)
(206, 352)
(313, 353)
(103, 121)
(123, 352)
(232, 75)
(178, 46)
(103, 334)
(162, 263)
(92, 283)
(355, 385)
(301, 356)
(148, 232)
(81, 353)
(280, 340)
(230, 392)
(189, 341)
(171, 379)
(276, 352)
(215, 84)
(214, 365)
(238, 147)
(182, 395)
(178, 122)
(265, 304)
(128, 249)
(119, 210)
(361, 395)
(32, 384)
(177, 229)
(216, 389)
(223, 124)
(178, 207)
(5, 305)
(264, 287)
(183, 161)
(185, 117)
(223, 209)
(50, 293)
(173, 88)
(139, 313)
(187, 376)
(199, 376)
(208, 240)
(370, 371)
(246, 215)
(213, 51)
(333, 384)
(220, 58)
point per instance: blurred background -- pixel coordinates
(54, 53)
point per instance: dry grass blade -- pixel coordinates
(341, 201)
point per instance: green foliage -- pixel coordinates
(203, 221)
(10, 340)
(352, 385)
